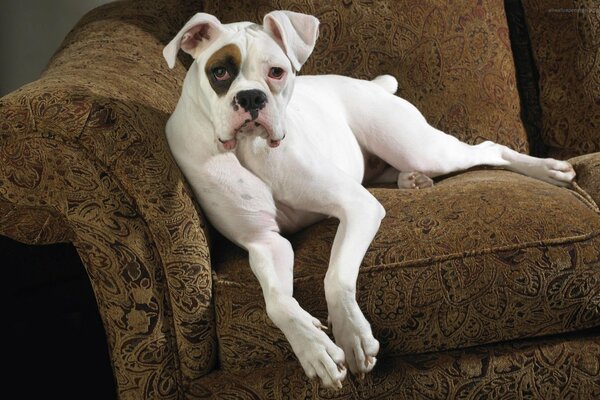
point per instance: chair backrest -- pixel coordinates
(565, 39)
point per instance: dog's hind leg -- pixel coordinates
(397, 132)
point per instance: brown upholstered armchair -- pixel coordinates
(487, 285)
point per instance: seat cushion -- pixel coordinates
(453, 60)
(549, 368)
(481, 257)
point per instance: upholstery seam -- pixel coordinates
(584, 197)
(448, 257)
(489, 250)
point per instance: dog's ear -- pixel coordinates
(296, 34)
(194, 37)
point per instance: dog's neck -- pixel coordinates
(193, 117)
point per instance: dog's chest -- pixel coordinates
(311, 144)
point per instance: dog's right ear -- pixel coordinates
(194, 37)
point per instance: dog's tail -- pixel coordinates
(387, 82)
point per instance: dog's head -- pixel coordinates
(244, 72)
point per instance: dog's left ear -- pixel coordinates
(296, 34)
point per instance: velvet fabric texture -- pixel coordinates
(453, 61)
(484, 257)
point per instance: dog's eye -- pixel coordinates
(220, 73)
(276, 73)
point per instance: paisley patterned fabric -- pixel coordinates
(452, 60)
(551, 369)
(565, 37)
(83, 158)
(130, 290)
(500, 257)
(34, 225)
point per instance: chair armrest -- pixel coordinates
(587, 168)
(84, 147)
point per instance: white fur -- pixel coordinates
(255, 192)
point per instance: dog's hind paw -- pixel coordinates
(414, 180)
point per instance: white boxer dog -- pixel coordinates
(268, 153)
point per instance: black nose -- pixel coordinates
(252, 101)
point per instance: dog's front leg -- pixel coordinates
(329, 191)
(359, 221)
(242, 208)
(317, 354)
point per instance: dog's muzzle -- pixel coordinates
(251, 119)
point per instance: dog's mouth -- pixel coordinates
(249, 127)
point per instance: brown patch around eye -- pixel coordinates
(228, 57)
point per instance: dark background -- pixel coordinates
(56, 343)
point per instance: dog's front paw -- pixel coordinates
(560, 173)
(320, 357)
(353, 334)
(317, 353)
